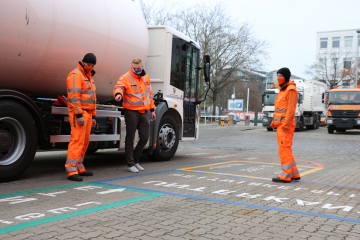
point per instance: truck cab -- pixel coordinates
(343, 112)
(268, 101)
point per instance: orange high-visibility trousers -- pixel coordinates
(79, 142)
(287, 160)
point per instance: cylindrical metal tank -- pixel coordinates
(41, 41)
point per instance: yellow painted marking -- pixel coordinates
(184, 169)
(189, 169)
(310, 171)
(226, 174)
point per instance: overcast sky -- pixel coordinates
(290, 26)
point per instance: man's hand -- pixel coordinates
(81, 121)
(153, 116)
(272, 125)
(118, 98)
(93, 124)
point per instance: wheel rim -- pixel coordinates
(12, 140)
(167, 137)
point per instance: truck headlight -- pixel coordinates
(270, 114)
(358, 122)
(329, 121)
(265, 120)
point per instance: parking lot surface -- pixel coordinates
(216, 188)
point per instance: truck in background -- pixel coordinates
(309, 108)
(42, 41)
(343, 111)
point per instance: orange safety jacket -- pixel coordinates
(81, 92)
(136, 91)
(284, 113)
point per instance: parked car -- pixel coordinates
(259, 119)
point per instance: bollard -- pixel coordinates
(247, 120)
(228, 122)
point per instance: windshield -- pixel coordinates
(344, 97)
(269, 98)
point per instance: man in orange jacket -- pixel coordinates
(135, 89)
(82, 111)
(284, 122)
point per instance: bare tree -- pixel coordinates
(333, 67)
(231, 46)
(155, 14)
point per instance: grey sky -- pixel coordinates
(290, 26)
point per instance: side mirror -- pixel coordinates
(207, 68)
(263, 99)
(323, 98)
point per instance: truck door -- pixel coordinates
(190, 91)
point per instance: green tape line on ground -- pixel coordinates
(74, 214)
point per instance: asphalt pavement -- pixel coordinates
(218, 187)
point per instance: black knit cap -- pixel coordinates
(89, 58)
(285, 72)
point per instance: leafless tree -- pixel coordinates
(156, 14)
(231, 46)
(333, 67)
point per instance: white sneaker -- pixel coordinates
(140, 168)
(133, 169)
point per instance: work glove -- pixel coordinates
(81, 121)
(272, 124)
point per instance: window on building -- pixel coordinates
(323, 42)
(347, 62)
(348, 41)
(336, 42)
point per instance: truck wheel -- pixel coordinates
(168, 139)
(330, 129)
(301, 126)
(93, 147)
(18, 139)
(317, 122)
(270, 129)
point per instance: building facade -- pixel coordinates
(336, 56)
(271, 78)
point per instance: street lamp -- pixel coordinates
(357, 59)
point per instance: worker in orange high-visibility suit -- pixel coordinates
(284, 122)
(82, 111)
(135, 89)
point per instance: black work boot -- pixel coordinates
(75, 177)
(296, 179)
(86, 173)
(277, 179)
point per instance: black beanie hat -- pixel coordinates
(285, 72)
(89, 58)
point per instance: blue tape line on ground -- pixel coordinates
(133, 176)
(241, 204)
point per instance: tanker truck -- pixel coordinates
(42, 41)
(309, 107)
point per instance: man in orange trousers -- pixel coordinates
(284, 122)
(82, 111)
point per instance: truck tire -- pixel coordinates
(330, 129)
(18, 139)
(167, 139)
(270, 129)
(301, 126)
(312, 127)
(317, 122)
(93, 147)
